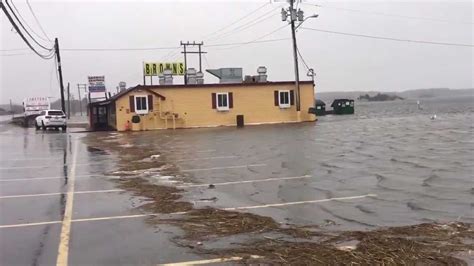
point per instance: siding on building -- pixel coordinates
(192, 105)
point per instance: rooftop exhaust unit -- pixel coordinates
(260, 78)
(166, 78)
(200, 78)
(227, 75)
(191, 76)
(262, 74)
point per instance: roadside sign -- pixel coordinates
(155, 69)
(96, 83)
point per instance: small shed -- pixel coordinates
(343, 106)
(320, 107)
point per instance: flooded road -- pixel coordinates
(384, 166)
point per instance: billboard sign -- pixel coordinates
(96, 83)
(155, 69)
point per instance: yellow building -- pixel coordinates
(202, 105)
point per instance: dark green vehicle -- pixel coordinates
(343, 106)
(320, 108)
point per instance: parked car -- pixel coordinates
(51, 118)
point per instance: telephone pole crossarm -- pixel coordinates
(185, 52)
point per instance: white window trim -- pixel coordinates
(141, 112)
(222, 108)
(284, 105)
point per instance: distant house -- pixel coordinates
(202, 105)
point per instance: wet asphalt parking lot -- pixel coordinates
(366, 174)
(37, 169)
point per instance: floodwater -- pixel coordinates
(389, 164)
(406, 167)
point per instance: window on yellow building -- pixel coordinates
(141, 105)
(222, 101)
(284, 98)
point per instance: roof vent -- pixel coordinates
(262, 74)
(167, 77)
(200, 78)
(191, 76)
(227, 75)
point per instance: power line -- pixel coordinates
(121, 49)
(206, 37)
(15, 49)
(27, 32)
(237, 30)
(247, 25)
(389, 15)
(169, 55)
(37, 21)
(249, 42)
(302, 59)
(26, 23)
(205, 60)
(49, 56)
(389, 38)
(16, 54)
(256, 40)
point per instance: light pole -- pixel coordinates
(312, 16)
(295, 15)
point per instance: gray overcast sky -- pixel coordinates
(341, 62)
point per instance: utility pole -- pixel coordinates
(293, 15)
(61, 85)
(295, 55)
(185, 63)
(185, 52)
(200, 61)
(68, 102)
(11, 108)
(80, 99)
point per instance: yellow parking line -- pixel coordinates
(63, 249)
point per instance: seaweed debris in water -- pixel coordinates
(209, 222)
(425, 244)
(163, 199)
